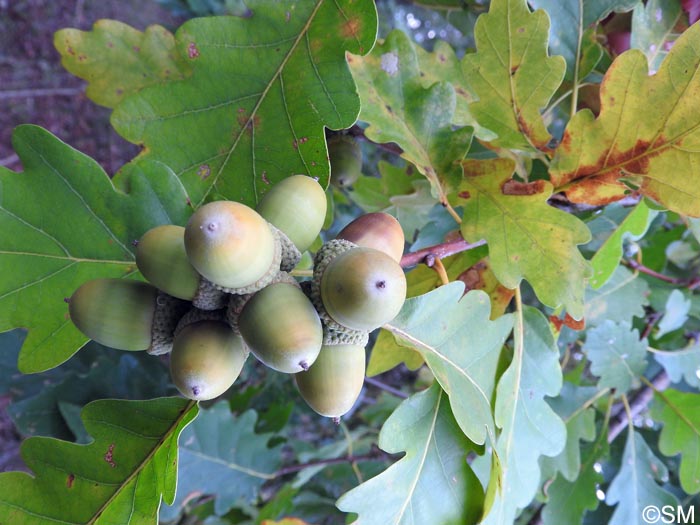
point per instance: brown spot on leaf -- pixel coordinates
(460, 91)
(473, 277)
(442, 58)
(70, 50)
(514, 187)
(109, 456)
(82, 58)
(70, 480)
(567, 321)
(514, 70)
(110, 44)
(464, 194)
(192, 50)
(351, 28)
(136, 49)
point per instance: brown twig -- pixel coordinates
(636, 265)
(439, 251)
(385, 387)
(431, 261)
(374, 455)
(43, 92)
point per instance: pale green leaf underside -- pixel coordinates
(118, 478)
(620, 299)
(261, 91)
(440, 326)
(681, 365)
(434, 464)
(529, 426)
(63, 223)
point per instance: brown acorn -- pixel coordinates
(378, 230)
(206, 359)
(333, 383)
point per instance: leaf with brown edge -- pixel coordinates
(527, 238)
(512, 74)
(656, 152)
(118, 60)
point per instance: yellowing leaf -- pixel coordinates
(512, 74)
(527, 238)
(117, 60)
(648, 132)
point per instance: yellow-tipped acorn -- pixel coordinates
(206, 359)
(297, 207)
(115, 312)
(333, 383)
(379, 230)
(345, 155)
(229, 243)
(161, 258)
(363, 288)
(281, 327)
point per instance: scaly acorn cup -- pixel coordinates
(297, 207)
(379, 230)
(125, 314)
(206, 359)
(162, 259)
(361, 288)
(231, 245)
(333, 383)
(345, 155)
(282, 328)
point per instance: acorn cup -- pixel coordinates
(345, 156)
(122, 314)
(162, 260)
(297, 207)
(281, 327)
(379, 230)
(362, 288)
(333, 383)
(206, 359)
(231, 245)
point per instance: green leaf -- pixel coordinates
(117, 60)
(118, 478)
(675, 313)
(607, 257)
(261, 91)
(680, 414)
(634, 487)
(443, 64)
(441, 325)
(529, 426)
(434, 463)
(114, 375)
(512, 74)
(617, 355)
(622, 297)
(221, 455)
(527, 238)
(655, 151)
(580, 426)
(44, 256)
(399, 109)
(570, 18)
(568, 500)
(653, 26)
(681, 365)
(387, 353)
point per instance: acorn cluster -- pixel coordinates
(220, 288)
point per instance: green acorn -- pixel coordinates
(115, 312)
(230, 244)
(297, 206)
(282, 328)
(333, 383)
(206, 359)
(379, 230)
(362, 288)
(345, 155)
(161, 258)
